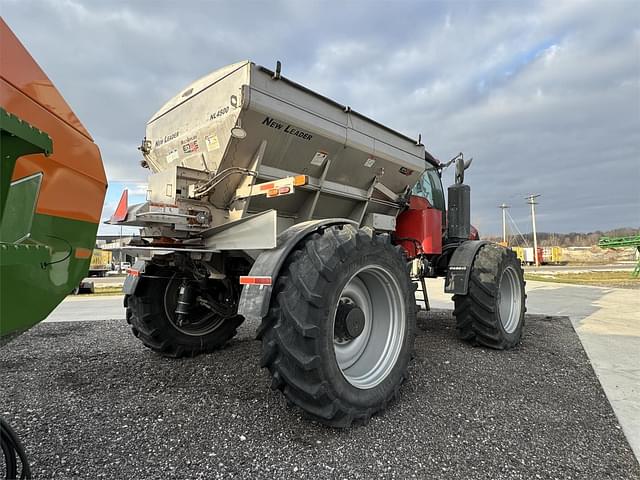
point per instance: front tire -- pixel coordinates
(492, 312)
(339, 333)
(151, 314)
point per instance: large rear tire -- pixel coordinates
(151, 314)
(492, 312)
(339, 333)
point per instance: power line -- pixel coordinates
(513, 222)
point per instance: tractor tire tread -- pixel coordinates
(290, 334)
(476, 313)
(145, 314)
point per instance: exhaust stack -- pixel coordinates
(459, 213)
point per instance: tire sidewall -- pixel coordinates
(386, 257)
(510, 261)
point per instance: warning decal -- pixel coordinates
(212, 142)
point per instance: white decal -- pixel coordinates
(173, 156)
(319, 158)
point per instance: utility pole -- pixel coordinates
(504, 207)
(531, 200)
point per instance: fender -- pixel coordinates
(457, 280)
(255, 299)
(131, 282)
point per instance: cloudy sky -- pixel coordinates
(545, 96)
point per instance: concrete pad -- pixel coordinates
(88, 307)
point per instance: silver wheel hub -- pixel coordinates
(369, 326)
(510, 299)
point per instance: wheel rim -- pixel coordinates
(510, 303)
(206, 324)
(367, 359)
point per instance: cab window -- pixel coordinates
(430, 187)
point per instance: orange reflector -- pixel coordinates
(272, 193)
(246, 280)
(266, 186)
(83, 253)
(300, 180)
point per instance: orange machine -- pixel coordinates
(52, 188)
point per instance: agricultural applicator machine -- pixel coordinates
(624, 242)
(270, 202)
(52, 187)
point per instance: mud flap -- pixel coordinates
(131, 282)
(457, 280)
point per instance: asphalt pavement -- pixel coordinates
(625, 266)
(106, 280)
(91, 402)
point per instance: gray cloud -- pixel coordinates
(544, 95)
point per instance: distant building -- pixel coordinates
(115, 243)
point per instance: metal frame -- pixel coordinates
(309, 208)
(321, 185)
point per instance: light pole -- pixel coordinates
(531, 200)
(504, 207)
(120, 246)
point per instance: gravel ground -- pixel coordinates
(89, 401)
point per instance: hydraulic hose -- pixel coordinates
(13, 450)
